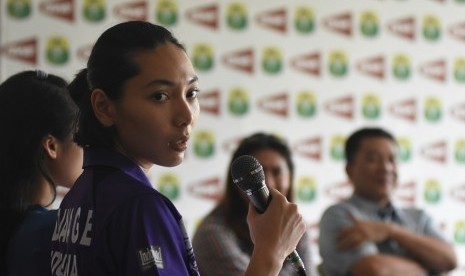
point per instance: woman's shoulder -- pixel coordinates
(36, 229)
(39, 218)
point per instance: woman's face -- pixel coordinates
(277, 174)
(159, 108)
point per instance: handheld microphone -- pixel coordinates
(247, 173)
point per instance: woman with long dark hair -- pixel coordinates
(37, 153)
(222, 241)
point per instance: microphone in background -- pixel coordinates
(247, 173)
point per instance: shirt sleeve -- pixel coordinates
(217, 250)
(335, 261)
(418, 221)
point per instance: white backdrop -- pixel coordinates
(311, 71)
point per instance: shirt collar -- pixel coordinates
(366, 204)
(106, 157)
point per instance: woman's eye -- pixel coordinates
(192, 94)
(159, 97)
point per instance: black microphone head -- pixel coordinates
(247, 173)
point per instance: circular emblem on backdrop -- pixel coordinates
(236, 17)
(19, 8)
(460, 151)
(57, 50)
(204, 144)
(337, 147)
(168, 184)
(338, 63)
(94, 10)
(371, 106)
(432, 192)
(306, 189)
(238, 101)
(433, 110)
(404, 149)
(431, 28)
(304, 21)
(401, 68)
(272, 60)
(306, 104)
(459, 69)
(369, 24)
(202, 57)
(459, 232)
(167, 12)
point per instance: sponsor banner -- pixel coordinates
(309, 71)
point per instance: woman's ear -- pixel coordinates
(103, 107)
(50, 145)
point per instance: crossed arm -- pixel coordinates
(349, 244)
(428, 253)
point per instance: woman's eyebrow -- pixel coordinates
(169, 82)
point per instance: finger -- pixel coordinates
(274, 193)
(251, 214)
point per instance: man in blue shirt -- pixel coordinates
(366, 234)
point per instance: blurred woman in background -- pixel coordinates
(37, 153)
(222, 242)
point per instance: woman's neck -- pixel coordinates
(44, 193)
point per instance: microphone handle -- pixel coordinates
(297, 263)
(260, 199)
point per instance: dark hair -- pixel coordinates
(33, 104)
(109, 66)
(233, 204)
(354, 141)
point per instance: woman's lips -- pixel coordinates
(179, 145)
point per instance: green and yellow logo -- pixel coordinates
(167, 12)
(337, 147)
(272, 62)
(306, 189)
(306, 104)
(238, 101)
(338, 66)
(94, 10)
(371, 106)
(459, 232)
(459, 69)
(431, 28)
(401, 68)
(369, 24)
(432, 192)
(460, 151)
(204, 144)
(57, 50)
(304, 21)
(433, 109)
(19, 8)
(168, 184)
(236, 16)
(202, 57)
(404, 149)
